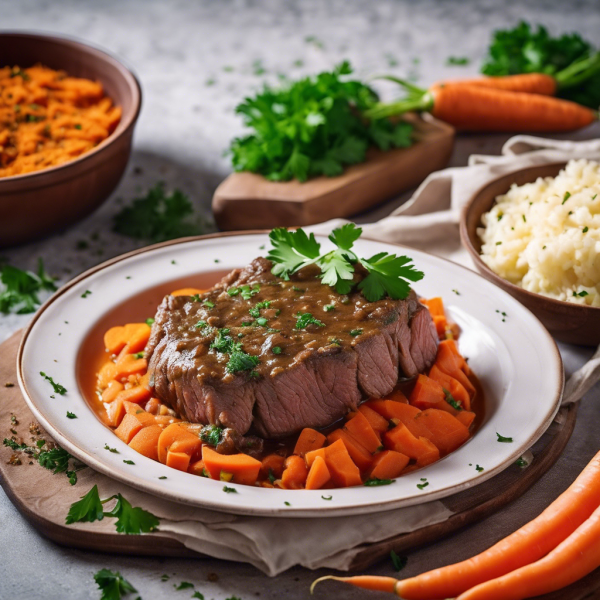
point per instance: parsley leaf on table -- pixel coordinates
(158, 216)
(312, 127)
(132, 520)
(19, 293)
(113, 585)
(88, 509)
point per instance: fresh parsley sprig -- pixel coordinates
(113, 585)
(20, 289)
(387, 274)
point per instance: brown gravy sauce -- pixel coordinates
(143, 305)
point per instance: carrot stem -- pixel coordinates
(578, 71)
(366, 582)
(423, 103)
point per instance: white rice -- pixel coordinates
(545, 236)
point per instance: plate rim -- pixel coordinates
(282, 512)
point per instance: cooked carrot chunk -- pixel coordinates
(310, 456)
(295, 473)
(343, 471)
(388, 464)
(136, 394)
(242, 467)
(178, 460)
(377, 422)
(360, 429)
(111, 392)
(272, 465)
(447, 433)
(402, 440)
(145, 441)
(318, 475)
(129, 426)
(309, 440)
(361, 457)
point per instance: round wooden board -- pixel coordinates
(44, 498)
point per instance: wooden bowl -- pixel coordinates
(38, 203)
(567, 322)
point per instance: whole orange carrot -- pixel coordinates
(571, 560)
(525, 546)
(529, 83)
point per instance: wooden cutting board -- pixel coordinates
(35, 491)
(249, 201)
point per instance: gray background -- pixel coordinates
(195, 61)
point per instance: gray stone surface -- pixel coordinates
(196, 60)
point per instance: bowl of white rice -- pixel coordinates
(536, 233)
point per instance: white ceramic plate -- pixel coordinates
(514, 357)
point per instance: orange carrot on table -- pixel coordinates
(529, 83)
(476, 108)
(567, 533)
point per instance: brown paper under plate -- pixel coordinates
(44, 498)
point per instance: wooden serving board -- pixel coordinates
(249, 201)
(44, 498)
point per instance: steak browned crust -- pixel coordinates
(314, 376)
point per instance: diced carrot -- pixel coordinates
(152, 406)
(115, 413)
(175, 433)
(115, 339)
(295, 473)
(107, 373)
(456, 389)
(447, 433)
(165, 420)
(440, 325)
(377, 422)
(360, 455)
(178, 460)
(129, 365)
(145, 418)
(131, 408)
(309, 440)
(309, 457)
(243, 467)
(343, 471)
(388, 464)
(447, 361)
(110, 393)
(318, 475)
(145, 381)
(146, 441)
(197, 468)
(402, 440)
(137, 335)
(137, 394)
(435, 306)
(397, 396)
(466, 417)
(391, 409)
(187, 292)
(273, 465)
(360, 429)
(128, 427)
(426, 393)
(462, 363)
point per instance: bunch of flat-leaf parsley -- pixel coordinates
(312, 127)
(386, 273)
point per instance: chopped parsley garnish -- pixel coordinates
(456, 292)
(163, 477)
(201, 325)
(566, 197)
(245, 291)
(128, 462)
(424, 483)
(71, 415)
(139, 355)
(262, 321)
(211, 434)
(505, 440)
(150, 322)
(312, 127)
(58, 389)
(399, 562)
(287, 503)
(327, 497)
(478, 468)
(240, 361)
(184, 585)
(387, 273)
(524, 219)
(198, 595)
(581, 294)
(276, 350)
(329, 307)
(356, 332)
(164, 577)
(451, 400)
(229, 490)
(19, 291)
(303, 320)
(113, 450)
(374, 481)
(457, 61)
(158, 217)
(86, 294)
(208, 304)
(112, 584)
(522, 463)
(271, 476)
(585, 229)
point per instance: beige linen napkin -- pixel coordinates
(428, 221)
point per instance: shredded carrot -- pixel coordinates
(48, 118)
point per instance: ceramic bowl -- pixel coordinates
(567, 322)
(38, 203)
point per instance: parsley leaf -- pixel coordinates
(71, 415)
(132, 520)
(229, 490)
(58, 389)
(375, 481)
(113, 585)
(241, 361)
(501, 438)
(184, 585)
(211, 434)
(291, 251)
(158, 217)
(88, 509)
(303, 320)
(451, 400)
(387, 274)
(399, 562)
(312, 127)
(20, 288)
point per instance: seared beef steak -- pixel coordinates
(311, 371)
